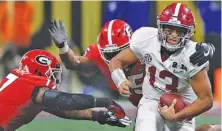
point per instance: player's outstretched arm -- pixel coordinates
(65, 105)
(102, 117)
(125, 57)
(69, 58)
(201, 86)
(116, 65)
(66, 101)
(73, 114)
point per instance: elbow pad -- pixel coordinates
(66, 101)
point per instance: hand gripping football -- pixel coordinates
(167, 99)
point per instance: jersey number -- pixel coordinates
(11, 78)
(136, 76)
(164, 74)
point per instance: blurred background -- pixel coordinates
(24, 26)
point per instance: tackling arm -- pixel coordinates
(100, 116)
(64, 101)
(116, 65)
(73, 61)
(122, 59)
(73, 114)
(60, 37)
(70, 106)
(201, 86)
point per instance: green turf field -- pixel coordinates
(71, 125)
(51, 123)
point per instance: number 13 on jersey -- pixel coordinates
(162, 76)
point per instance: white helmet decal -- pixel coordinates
(43, 60)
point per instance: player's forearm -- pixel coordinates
(125, 57)
(88, 114)
(64, 101)
(80, 114)
(70, 59)
(199, 106)
(115, 63)
(73, 114)
(117, 74)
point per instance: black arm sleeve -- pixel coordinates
(66, 101)
(1, 128)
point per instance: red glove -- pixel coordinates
(117, 110)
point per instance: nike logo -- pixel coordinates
(207, 53)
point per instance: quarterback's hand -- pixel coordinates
(110, 119)
(124, 88)
(58, 32)
(166, 112)
(204, 52)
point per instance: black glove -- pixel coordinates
(107, 118)
(204, 52)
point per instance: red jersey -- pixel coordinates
(135, 73)
(16, 107)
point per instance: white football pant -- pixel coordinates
(149, 119)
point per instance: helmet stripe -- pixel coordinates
(176, 12)
(110, 32)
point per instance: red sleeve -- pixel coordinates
(50, 84)
(38, 81)
(92, 52)
(19, 90)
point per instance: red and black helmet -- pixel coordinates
(41, 63)
(176, 15)
(114, 37)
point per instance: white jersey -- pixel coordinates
(171, 75)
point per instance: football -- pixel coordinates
(167, 99)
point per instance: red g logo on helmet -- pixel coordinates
(43, 60)
(41, 63)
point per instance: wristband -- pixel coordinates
(118, 77)
(64, 49)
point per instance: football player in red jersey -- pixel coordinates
(32, 88)
(114, 36)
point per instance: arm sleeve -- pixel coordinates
(92, 52)
(66, 101)
(195, 69)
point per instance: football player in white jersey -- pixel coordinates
(167, 53)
